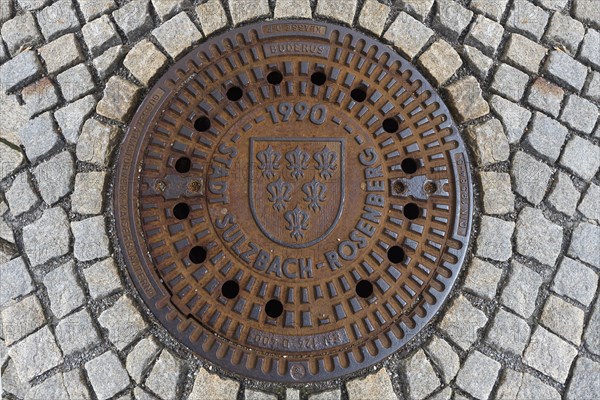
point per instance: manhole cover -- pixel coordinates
(293, 201)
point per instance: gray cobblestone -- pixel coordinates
(584, 384)
(21, 318)
(493, 9)
(35, 354)
(462, 322)
(329, 395)
(61, 53)
(546, 137)
(482, 278)
(550, 354)
(564, 196)
(107, 375)
(527, 19)
(590, 205)
(466, 98)
(494, 239)
(76, 82)
(497, 193)
(372, 16)
(556, 5)
(40, 96)
(168, 8)
(522, 289)
(510, 82)
(452, 19)
(258, 395)
(76, 332)
(444, 357)
(140, 358)
(100, 34)
(592, 332)
(31, 5)
(531, 177)
(54, 177)
(123, 322)
(523, 386)
(378, 386)
(106, 63)
(563, 68)
(545, 96)
(102, 278)
(485, 34)
(15, 281)
(524, 53)
(563, 319)
(119, 100)
(479, 63)
(21, 197)
(509, 332)
(134, 18)
(584, 243)
(537, 237)
(88, 195)
(514, 117)
(63, 290)
(164, 376)
(441, 61)
(91, 241)
(590, 50)
(579, 114)
(21, 69)
(404, 25)
(581, 157)
(6, 11)
(69, 385)
(48, 237)
(212, 16)
(292, 394)
(592, 89)
(10, 127)
(490, 142)
(92, 9)
(244, 10)
(576, 281)
(96, 142)
(565, 32)
(587, 11)
(20, 32)
(418, 8)
(478, 375)
(207, 385)
(11, 159)
(421, 378)
(145, 61)
(58, 19)
(141, 394)
(177, 35)
(11, 383)
(71, 117)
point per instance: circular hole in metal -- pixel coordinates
(183, 165)
(390, 125)
(395, 254)
(197, 254)
(235, 93)
(274, 77)
(411, 211)
(181, 211)
(364, 289)
(274, 308)
(318, 78)
(430, 187)
(359, 95)
(230, 289)
(409, 165)
(202, 124)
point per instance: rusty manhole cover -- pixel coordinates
(293, 201)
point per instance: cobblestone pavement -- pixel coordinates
(523, 79)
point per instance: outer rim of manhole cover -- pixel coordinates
(339, 166)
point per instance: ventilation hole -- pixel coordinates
(358, 95)
(274, 308)
(202, 124)
(318, 78)
(411, 211)
(235, 93)
(181, 211)
(275, 78)
(230, 289)
(390, 125)
(183, 165)
(197, 255)
(395, 254)
(364, 289)
(409, 165)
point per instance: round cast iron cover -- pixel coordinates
(293, 201)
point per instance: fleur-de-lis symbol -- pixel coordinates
(297, 161)
(315, 194)
(279, 193)
(326, 162)
(297, 222)
(269, 161)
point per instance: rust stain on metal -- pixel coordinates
(293, 201)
